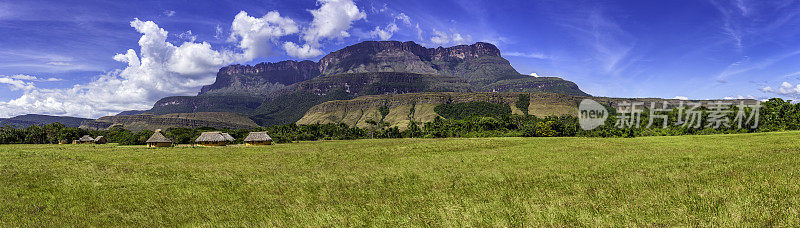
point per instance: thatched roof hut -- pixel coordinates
(258, 138)
(86, 139)
(214, 138)
(158, 140)
(100, 140)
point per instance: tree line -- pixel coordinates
(475, 119)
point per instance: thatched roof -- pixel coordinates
(228, 137)
(158, 138)
(258, 137)
(86, 138)
(214, 136)
(100, 139)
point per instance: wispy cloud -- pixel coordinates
(745, 65)
(37, 61)
(532, 55)
(57, 63)
(730, 25)
(187, 36)
(610, 43)
(26, 77)
(792, 75)
(742, 7)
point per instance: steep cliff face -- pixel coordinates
(479, 63)
(358, 84)
(260, 79)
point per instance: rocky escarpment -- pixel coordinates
(260, 79)
(358, 84)
(419, 107)
(479, 63)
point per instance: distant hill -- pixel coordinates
(536, 84)
(132, 112)
(24, 121)
(244, 105)
(282, 92)
(222, 120)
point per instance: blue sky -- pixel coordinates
(94, 58)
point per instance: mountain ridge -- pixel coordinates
(282, 92)
(480, 63)
(23, 121)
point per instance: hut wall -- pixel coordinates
(212, 143)
(161, 144)
(261, 143)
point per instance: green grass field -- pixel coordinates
(726, 180)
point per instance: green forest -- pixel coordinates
(472, 119)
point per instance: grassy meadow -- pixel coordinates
(725, 180)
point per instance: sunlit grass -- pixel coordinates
(726, 180)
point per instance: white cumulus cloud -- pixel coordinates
(305, 51)
(254, 34)
(442, 38)
(385, 33)
(16, 84)
(739, 97)
(786, 89)
(331, 20)
(158, 70)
